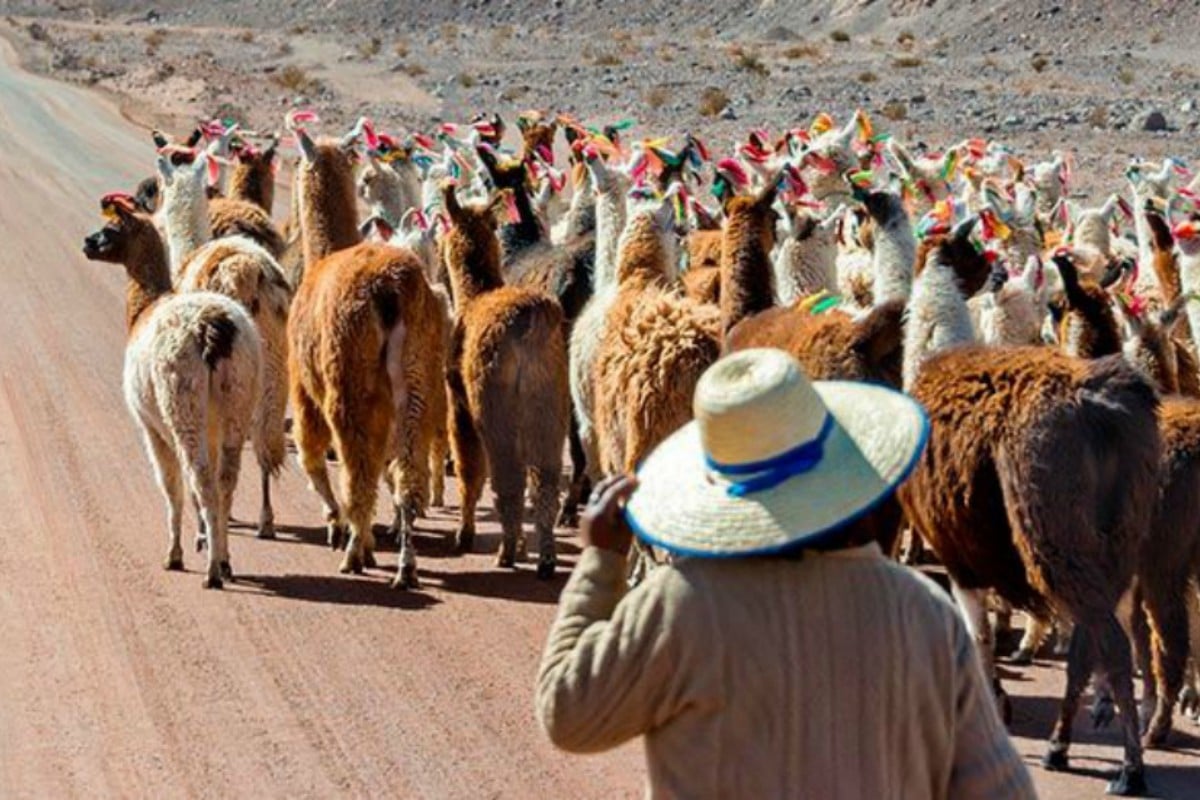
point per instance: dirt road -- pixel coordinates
(118, 679)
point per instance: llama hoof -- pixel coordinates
(337, 536)
(1130, 782)
(266, 530)
(226, 571)
(545, 568)
(1056, 759)
(1189, 701)
(174, 562)
(1103, 712)
(368, 559)
(568, 518)
(201, 542)
(1023, 657)
(438, 501)
(464, 540)
(506, 559)
(213, 582)
(1156, 734)
(1003, 704)
(406, 578)
(352, 563)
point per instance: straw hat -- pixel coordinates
(773, 460)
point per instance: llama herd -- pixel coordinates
(438, 295)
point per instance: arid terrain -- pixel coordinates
(120, 680)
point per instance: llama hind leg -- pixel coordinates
(230, 467)
(543, 488)
(1080, 660)
(312, 436)
(973, 603)
(470, 467)
(1166, 608)
(199, 470)
(166, 470)
(266, 515)
(581, 479)
(1115, 662)
(508, 482)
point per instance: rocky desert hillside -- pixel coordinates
(1106, 79)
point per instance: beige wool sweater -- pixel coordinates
(841, 675)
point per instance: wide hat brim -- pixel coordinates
(681, 506)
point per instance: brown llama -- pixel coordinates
(654, 347)
(508, 383)
(1014, 431)
(563, 271)
(1169, 557)
(366, 336)
(702, 280)
(747, 274)
(253, 176)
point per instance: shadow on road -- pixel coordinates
(338, 590)
(520, 586)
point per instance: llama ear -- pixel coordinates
(308, 150)
(146, 195)
(194, 139)
(768, 193)
(962, 231)
(1173, 315)
(160, 139)
(269, 153)
(165, 168)
(450, 199)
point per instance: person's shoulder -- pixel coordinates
(916, 589)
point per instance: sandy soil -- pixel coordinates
(121, 680)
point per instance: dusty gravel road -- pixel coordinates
(120, 680)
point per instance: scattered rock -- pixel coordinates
(1153, 121)
(727, 113)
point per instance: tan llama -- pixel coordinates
(366, 352)
(192, 371)
(508, 383)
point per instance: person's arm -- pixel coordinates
(986, 765)
(610, 670)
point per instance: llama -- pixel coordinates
(366, 335)
(508, 383)
(1187, 246)
(924, 176)
(238, 267)
(1049, 180)
(1169, 556)
(1008, 427)
(747, 276)
(253, 177)
(420, 241)
(609, 187)
(894, 247)
(655, 345)
(1012, 311)
(805, 262)
(192, 370)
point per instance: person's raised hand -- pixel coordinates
(602, 523)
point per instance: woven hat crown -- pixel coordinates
(755, 405)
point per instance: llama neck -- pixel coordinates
(149, 277)
(526, 228)
(644, 257)
(474, 266)
(610, 221)
(937, 317)
(892, 258)
(1092, 231)
(1189, 280)
(747, 278)
(187, 224)
(805, 267)
(328, 212)
(396, 191)
(254, 183)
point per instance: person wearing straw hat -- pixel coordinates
(780, 654)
